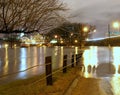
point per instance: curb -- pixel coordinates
(72, 86)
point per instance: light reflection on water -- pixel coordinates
(30, 61)
(90, 61)
(61, 56)
(6, 61)
(76, 50)
(23, 64)
(24, 58)
(115, 83)
(116, 58)
(106, 65)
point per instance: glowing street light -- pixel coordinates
(85, 29)
(116, 25)
(71, 34)
(56, 36)
(94, 30)
(76, 41)
(61, 42)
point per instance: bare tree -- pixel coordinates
(29, 15)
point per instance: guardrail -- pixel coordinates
(75, 59)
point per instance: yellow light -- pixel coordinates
(116, 25)
(71, 34)
(85, 29)
(15, 45)
(115, 85)
(61, 42)
(56, 36)
(6, 45)
(76, 41)
(94, 30)
(90, 61)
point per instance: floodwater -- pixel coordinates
(99, 62)
(103, 63)
(21, 63)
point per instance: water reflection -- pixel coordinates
(23, 64)
(6, 61)
(95, 59)
(61, 56)
(116, 58)
(115, 83)
(90, 61)
(30, 61)
(76, 50)
(105, 63)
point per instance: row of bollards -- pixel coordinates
(48, 66)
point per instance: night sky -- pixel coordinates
(95, 12)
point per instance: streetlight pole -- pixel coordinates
(109, 47)
(109, 35)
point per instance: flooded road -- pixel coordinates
(99, 62)
(103, 63)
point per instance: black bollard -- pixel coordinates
(77, 59)
(65, 64)
(48, 65)
(72, 61)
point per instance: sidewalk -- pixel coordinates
(88, 86)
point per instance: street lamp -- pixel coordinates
(56, 36)
(116, 25)
(85, 29)
(76, 41)
(94, 30)
(61, 41)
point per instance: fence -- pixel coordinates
(75, 59)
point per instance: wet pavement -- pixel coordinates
(108, 84)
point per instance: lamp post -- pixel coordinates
(109, 46)
(116, 25)
(85, 30)
(109, 35)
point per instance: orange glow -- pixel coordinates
(61, 42)
(56, 36)
(85, 29)
(76, 41)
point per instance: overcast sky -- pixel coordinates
(96, 12)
